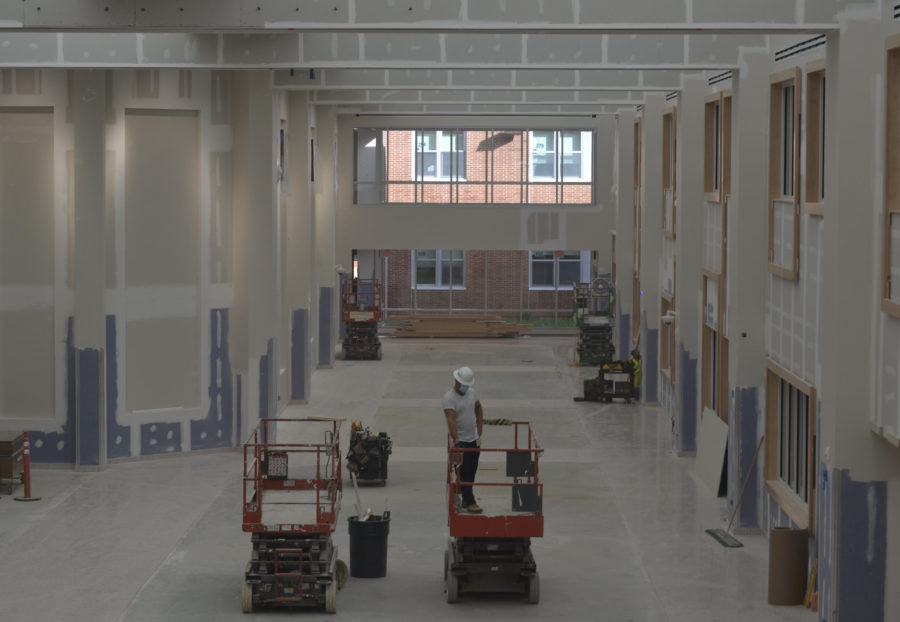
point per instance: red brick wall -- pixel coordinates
(509, 164)
(506, 282)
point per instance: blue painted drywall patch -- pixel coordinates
(160, 438)
(326, 347)
(748, 416)
(825, 540)
(266, 377)
(118, 437)
(688, 410)
(299, 339)
(863, 544)
(59, 446)
(90, 406)
(650, 367)
(623, 323)
(215, 429)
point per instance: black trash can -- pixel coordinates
(368, 546)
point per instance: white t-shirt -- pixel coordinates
(464, 405)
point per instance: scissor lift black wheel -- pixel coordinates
(534, 589)
(247, 598)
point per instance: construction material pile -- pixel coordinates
(470, 326)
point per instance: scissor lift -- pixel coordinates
(491, 552)
(361, 313)
(594, 308)
(292, 497)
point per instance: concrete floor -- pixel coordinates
(624, 516)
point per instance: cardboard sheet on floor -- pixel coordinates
(711, 444)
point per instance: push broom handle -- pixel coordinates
(746, 481)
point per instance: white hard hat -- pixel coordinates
(465, 376)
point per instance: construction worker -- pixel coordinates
(636, 375)
(465, 419)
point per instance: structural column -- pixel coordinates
(651, 243)
(325, 159)
(689, 232)
(89, 169)
(852, 510)
(300, 246)
(747, 274)
(261, 230)
(624, 224)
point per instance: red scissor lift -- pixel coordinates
(292, 497)
(361, 313)
(491, 552)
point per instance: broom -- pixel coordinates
(723, 535)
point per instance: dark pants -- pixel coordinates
(468, 469)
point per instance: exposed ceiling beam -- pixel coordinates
(476, 79)
(422, 16)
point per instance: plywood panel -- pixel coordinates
(26, 363)
(162, 195)
(26, 196)
(162, 359)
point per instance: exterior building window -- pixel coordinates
(814, 174)
(791, 444)
(560, 155)
(440, 154)
(550, 270)
(670, 201)
(793, 423)
(439, 269)
(784, 163)
(417, 166)
(787, 140)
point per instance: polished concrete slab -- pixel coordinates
(624, 516)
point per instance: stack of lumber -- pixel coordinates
(472, 326)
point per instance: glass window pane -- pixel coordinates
(425, 254)
(426, 141)
(426, 165)
(459, 164)
(542, 165)
(571, 141)
(542, 142)
(446, 170)
(542, 254)
(542, 274)
(459, 273)
(425, 273)
(572, 166)
(569, 273)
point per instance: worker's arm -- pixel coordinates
(479, 417)
(451, 424)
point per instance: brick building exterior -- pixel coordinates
(494, 282)
(493, 167)
(489, 167)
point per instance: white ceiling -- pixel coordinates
(467, 56)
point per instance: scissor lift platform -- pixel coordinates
(491, 552)
(292, 495)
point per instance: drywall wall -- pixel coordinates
(27, 242)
